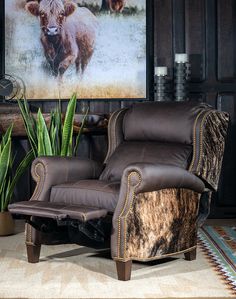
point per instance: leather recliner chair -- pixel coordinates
(146, 200)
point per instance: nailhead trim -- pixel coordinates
(121, 214)
(201, 138)
(34, 197)
(112, 132)
(195, 139)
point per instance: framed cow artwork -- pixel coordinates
(99, 49)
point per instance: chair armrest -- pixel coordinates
(50, 171)
(153, 177)
(137, 214)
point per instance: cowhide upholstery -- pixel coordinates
(209, 135)
(160, 223)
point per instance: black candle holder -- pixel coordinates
(182, 71)
(160, 88)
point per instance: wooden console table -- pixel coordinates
(96, 124)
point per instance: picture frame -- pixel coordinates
(148, 73)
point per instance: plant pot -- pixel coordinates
(6, 224)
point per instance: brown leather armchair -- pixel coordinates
(163, 162)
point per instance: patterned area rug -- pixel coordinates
(218, 244)
(70, 271)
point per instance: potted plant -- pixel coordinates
(52, 140)
(55, 138)
(8, 180)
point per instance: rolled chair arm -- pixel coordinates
(153, 177)
(50, 171)
(137, 179)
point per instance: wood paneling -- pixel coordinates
(226, 32)
(227, 102)
(178, 29)
(163, 24)
(224, 201)
(206, 31)
(195, 28)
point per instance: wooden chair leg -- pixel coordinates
(33, 253)
(124, 270)
(191, 255)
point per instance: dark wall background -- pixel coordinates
(206, 30)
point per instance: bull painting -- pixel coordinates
(96, 48)
(67, 33)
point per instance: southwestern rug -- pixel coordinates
(218, 244)
(70, 271)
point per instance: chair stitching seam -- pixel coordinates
(154, 257)
(84, 188)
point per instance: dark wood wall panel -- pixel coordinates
(211, 49)
(226, 195)
(23, 189)
(196, 96)
(178, 26)
(163, 38)
(206, 30)
(195, 28)
(226, 31)
(99, 107)
(227, 102)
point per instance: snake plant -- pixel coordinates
(55, 139)
(8, 181)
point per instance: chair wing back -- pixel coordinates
(115, 131)
(209, 134)
(190, 135)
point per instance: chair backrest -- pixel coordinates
(190, 135)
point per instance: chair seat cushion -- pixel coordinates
(89, 193)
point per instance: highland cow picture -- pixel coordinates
(96, 48)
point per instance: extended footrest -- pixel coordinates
(56, 211)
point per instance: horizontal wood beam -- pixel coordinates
(96, 124)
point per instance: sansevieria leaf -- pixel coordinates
(41, 149)
(2, 195)
(5, 192)
(4, 162)
(80, 131)
(24, 164)
(44, 142)
(30, 125)
(68, 127)
(58, 126)
(6, 136)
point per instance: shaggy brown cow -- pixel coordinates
(116, 5)
(67, 33)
